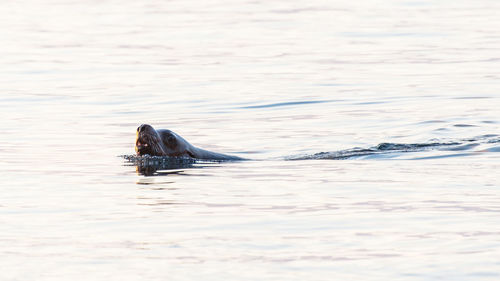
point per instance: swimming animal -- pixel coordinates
(164, 142)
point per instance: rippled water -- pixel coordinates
(268, 81)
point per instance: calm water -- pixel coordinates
(262, 80)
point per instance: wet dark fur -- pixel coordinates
(148, 142)
(167, 143)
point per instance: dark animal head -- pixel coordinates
(148, 141)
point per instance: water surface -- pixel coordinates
(264, 81)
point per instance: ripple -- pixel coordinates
(281, 104)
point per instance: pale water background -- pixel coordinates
(262, 80)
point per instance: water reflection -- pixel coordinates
(165, 165)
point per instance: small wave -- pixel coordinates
(444, 156)
(464, 125)
(493, 149)
(279, 104)
(462, 147)
(410, 147)
(383, 150)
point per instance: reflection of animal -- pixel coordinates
(167, 143)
